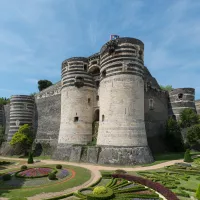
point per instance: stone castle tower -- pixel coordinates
(112, 88)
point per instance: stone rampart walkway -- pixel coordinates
(95, 173)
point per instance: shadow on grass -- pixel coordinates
(8, 185)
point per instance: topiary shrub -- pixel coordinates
(198, 192)
(52, 176)
(24, 167)
(187, 156)
(58, 166)
(6, 177)
(30, 158)
(99, 190)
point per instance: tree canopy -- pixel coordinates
(24, 136)
(188, 117)
(167, 87)
(43, 84)
(4, 100)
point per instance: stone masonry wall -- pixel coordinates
(156, 116)
(47, 115)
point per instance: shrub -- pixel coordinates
(173, 138)
(52, 176)
(187, 156)
(58, 166)
(24, 167)
(198, 192)
(188, 117)
(30, 158)
(99, 190)
(193, 134)
(6, 177)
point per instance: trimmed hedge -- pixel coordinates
(24, 167)
(155, 186)
(52, 176)
(97, 182)
(58, 166)
(6, 177)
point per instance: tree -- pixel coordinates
(23, 137)
(193, 134)
(167, 87)
(173, 136)
(4, 101)
(188, 117)
(43, 84)
(187, 156)
(2, 134)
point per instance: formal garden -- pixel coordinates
(21, 181)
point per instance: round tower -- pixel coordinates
(77, 99)
(121, 123)
(179, 99)
(21, 112)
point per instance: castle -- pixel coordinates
(112, 87)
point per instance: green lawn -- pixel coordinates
(82, 175)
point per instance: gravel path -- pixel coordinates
(95, 174)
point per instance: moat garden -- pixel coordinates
(167, 178)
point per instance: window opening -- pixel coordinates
(85, 67)
(104, 74)
(97, 97)
(75, 119)
(103, 117)
(180, 96)
(151, 106)
(89, 101)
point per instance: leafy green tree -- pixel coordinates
(43, 84)
(198, 192)
(2, 134)
(188, 117)
(23, 137)
(4, 101)
(167, 87)
(173, 136)
(187, 156)
(193, 135)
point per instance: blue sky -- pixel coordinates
(37, 35)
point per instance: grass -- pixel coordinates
(82, 175)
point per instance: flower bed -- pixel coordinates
(34, 172)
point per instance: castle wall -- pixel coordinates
(77, 102)
(47, 114)
(197, 105)
(156, 115)
(180, 99)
